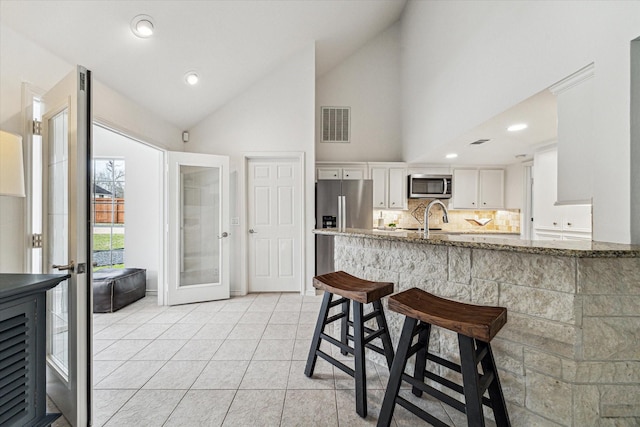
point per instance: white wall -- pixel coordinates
(369, 83)
(23, 61)
(464, 62)
(119, 112)
(20, 61)
(635, 142)
(276, 115)
(143, 192)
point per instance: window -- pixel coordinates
(108, 213)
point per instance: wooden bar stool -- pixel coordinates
(476, 326)
(358, 292)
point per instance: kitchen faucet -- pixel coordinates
(445, 216)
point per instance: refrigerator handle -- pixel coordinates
(340, 212)
(344, 211)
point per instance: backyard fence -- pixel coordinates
(108, 210)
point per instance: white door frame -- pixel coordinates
(297, 156)
(99, 121)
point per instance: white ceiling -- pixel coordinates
(231, 44)
(539, 112)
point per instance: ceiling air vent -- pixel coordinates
(480, 141)
(335, 124)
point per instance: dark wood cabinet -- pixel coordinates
(23, 336)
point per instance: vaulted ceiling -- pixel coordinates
(230, 44)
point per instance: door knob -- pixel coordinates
(252, 231)
(69, 267)
(223, 235)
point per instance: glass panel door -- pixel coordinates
(58, 241)
(200, 225)
(66, 148)
(198, 243)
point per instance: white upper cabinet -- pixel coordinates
(397, 188)
(491, 188)
(389, 185)
(380, 177)
(465, 188)
(354, 173)
(341, 171)
(478, 189)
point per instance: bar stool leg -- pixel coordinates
(359, 362)
(386, 338)
(421, 356)
(315, 342)
(395, 376)
(471, 381)
(498, 403)
(344, 327)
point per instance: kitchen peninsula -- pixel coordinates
(569, 354)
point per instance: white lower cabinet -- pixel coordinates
(551, 222)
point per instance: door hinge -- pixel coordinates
(37, 127)
(36, 240)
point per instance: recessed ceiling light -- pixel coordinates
(451, 156)
(191, 78)
(142, 26)
(517, 127)
(520, 156)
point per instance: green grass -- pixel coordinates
(101, 242)
(108, 266)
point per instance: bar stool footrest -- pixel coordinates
(344, 368)
(434, 392)
(341, 345)
(420, 413)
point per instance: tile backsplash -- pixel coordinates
(503, 220)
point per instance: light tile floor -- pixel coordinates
(237, 362)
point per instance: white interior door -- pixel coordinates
(275, 216)
(198, 227)
(66, 132)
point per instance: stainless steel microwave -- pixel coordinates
(423, 186)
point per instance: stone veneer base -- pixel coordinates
(569, 354)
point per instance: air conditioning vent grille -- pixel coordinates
(480, 141)
(336, 123)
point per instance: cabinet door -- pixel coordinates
(353, 173)
(465, 188)
(397, 188)
(545, 214)
(380, 189)
(328, 173)
(492, 188)
(577, 218)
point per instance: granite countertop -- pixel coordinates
(579, 249)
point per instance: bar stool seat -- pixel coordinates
(476, 326)
(357, 292)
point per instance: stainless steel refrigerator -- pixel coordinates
(340, 204)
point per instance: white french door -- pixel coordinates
(274, 211)
(66, 134)
(198, 227)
